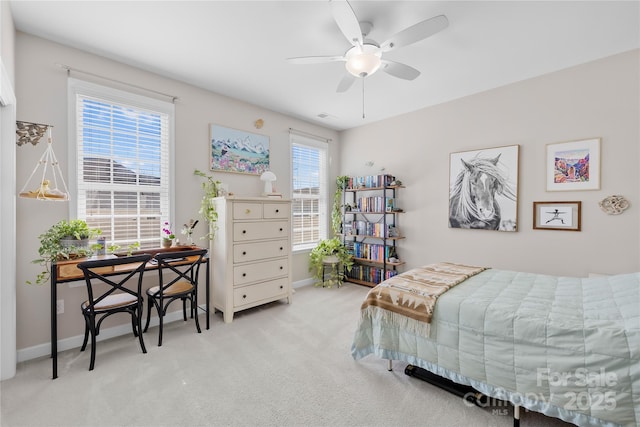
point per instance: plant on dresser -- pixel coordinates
(211, 189)
(251, 254)
(370, 228)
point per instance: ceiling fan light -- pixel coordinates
(363, 64)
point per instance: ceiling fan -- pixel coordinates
(365, 56)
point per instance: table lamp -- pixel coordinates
(268, 177)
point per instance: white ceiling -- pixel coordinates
(238, 48)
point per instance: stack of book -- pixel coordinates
(370, 181)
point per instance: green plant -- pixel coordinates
(53, 249)
(211, 188)
(113, 248)
(336, 212)
(320, 256)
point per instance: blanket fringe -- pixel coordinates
(375, 314)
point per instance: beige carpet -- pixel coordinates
(277, 365)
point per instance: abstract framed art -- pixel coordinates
(557, 216)
(483, 189)
(234, 150)
(573, 165)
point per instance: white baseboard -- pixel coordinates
(301, 283)
(76, 342)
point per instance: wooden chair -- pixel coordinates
(184, 267)
(116, 298)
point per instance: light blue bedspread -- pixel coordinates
(563, 346)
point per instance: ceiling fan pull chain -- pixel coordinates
(363, 98)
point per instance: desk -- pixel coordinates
(68, 271)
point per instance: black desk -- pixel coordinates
(68, 271)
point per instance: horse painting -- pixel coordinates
(472, 200)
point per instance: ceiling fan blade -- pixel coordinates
(399, 70)
(315, 59)
(415, 33)
(347, 21)
(345, 83)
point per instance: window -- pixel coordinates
(309, 193)
(120, 167)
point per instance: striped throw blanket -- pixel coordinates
(408, 299)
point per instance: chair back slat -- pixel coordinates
(92, 277)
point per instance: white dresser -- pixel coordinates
(251, 253)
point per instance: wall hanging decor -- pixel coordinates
(557, 216)
(234, 150)
(573, 165)
(483, 189)
(614, 205)
(44, 182)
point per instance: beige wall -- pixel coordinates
(41, 88)
(598, 99)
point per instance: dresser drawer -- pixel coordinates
(260, 230)
(245, 210)
(277, 211)
(260, 291)
(248, 273)
(261, 250)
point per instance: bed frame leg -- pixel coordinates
(390, 365)
(516, 415)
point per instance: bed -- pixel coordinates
(566, 347)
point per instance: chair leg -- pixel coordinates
(195, 307)
(184, 309)
(93, 343)
(138, 317)
(86, 333)
(146, 326)
(160, 324)
(134, 325)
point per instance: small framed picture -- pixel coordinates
(573, 165)
(557, 216)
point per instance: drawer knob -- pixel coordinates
(244, 231)
(244, 252)
(280, 228)
(244, 274)
(277, 210)
(247, 211)
(281, 267)
(281, 248)
(281, 287)
(244, 296)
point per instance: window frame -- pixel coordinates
(323, 202)
(107, 94)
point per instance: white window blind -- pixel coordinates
(122, 163)
(309, 192)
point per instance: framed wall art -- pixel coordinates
(483, 189)
(573, 165)
(557, 216)
(234, 150)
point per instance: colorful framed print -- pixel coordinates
(557, 216)
(483, 189)
(573, 165)
(234, 150)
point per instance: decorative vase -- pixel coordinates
(166, 243)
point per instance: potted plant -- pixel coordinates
(211, 188)
(64, 240)
(167, 235)
(336, 212)
(332, 253)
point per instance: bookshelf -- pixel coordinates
(370, 228)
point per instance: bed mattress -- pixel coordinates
(566, 347)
